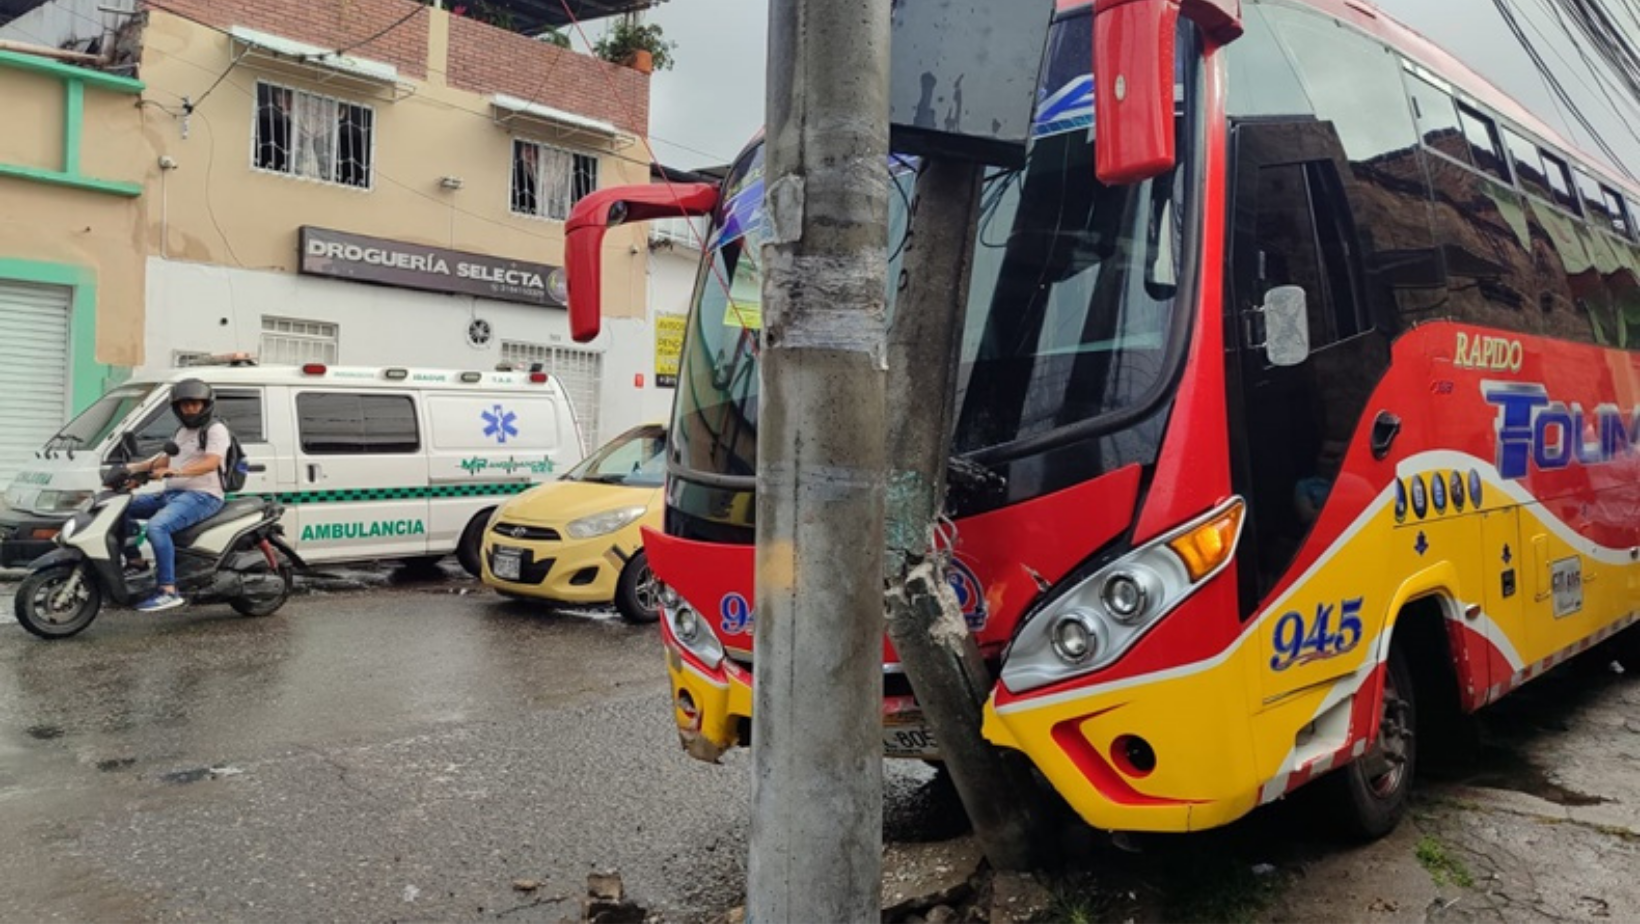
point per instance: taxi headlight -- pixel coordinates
(600, 524)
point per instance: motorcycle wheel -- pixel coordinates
(52, 604)
(268, 602)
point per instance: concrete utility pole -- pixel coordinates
(816, 835)
(925, 621)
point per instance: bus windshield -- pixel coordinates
(1071, 299)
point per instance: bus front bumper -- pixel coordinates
(1155, 758)
(712, 706)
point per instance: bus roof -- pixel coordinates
(1419, 49)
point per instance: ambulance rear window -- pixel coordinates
(340, 423)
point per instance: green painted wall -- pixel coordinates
(88, 379)
(75, 80)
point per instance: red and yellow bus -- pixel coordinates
(1288, 455)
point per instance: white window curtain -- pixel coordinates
(557, 171)
(314, 137)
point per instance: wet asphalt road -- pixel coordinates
(396, 753)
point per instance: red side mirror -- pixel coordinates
(594, 215)
(1133, 49)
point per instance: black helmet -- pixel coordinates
(193, 390)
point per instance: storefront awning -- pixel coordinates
(511, 111)
(316, 63)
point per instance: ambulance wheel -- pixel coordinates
(1369, 796)
(636, 595)
(471, 545)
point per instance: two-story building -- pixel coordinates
(372, 182)
(72, 258)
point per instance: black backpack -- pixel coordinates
(235, 468)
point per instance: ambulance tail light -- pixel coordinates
(1098, 619)
(538, 378)
(313, 369)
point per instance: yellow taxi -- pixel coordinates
(578, 539)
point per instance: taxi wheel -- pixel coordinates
(471, 545)
(637, 595)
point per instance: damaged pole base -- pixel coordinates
(950, 680)
(606, 902)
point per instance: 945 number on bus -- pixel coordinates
(1298, 641)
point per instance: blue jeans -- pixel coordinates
(169, 513)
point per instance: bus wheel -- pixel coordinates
(471, 545)
(1368, 797)
(1626, 649)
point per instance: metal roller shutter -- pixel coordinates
(33, 370)
(580, 372)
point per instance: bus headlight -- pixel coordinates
(693, 634)
(1124, 597)
(1094, 622)
(1076, 636)
(686, 625)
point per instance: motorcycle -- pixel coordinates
(236, 556)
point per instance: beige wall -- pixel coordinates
(216, 208)
(95, 231)
(33, 102)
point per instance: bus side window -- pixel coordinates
(1302, 238)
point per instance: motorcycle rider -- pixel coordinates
(193, 491)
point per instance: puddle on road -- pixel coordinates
(1508, 769)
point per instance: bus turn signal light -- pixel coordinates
(1205, 548)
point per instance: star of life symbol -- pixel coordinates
(500, 424)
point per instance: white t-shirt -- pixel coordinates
(216, 444)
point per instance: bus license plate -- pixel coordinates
(508, 564)
(909, 740)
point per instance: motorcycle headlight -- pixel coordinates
(600, 524)
(1097, 620)
(68, 530)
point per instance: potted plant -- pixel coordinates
(637, 45)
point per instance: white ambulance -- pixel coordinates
(370, 463)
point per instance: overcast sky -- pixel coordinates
(704, 110)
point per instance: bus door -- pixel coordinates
(1503, 564)
(1292, 226)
